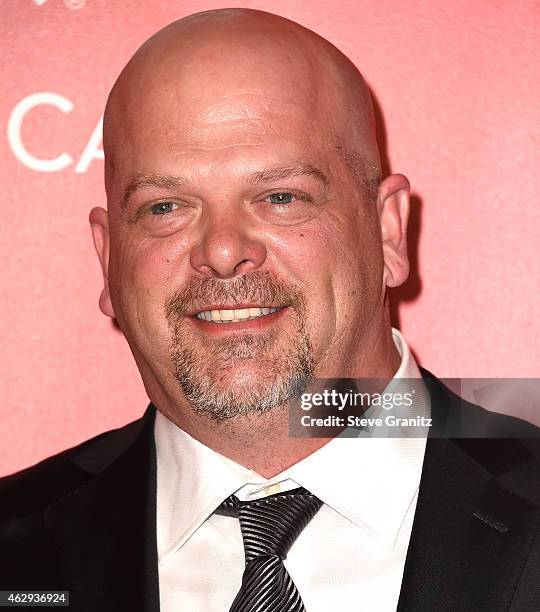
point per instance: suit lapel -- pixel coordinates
(471, 535)
(105, 531)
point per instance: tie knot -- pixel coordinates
(270, 525)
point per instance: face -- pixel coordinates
(241, 256)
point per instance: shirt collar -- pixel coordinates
(371, 482)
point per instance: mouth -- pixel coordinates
(236, 315)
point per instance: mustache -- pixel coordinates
(260, 287)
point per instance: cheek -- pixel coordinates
(305, 257)
(340, 262)
(145, 263)
(358, 280)
(143, 275)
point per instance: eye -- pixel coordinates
(281, 197)
(287, 207)
(162, 208)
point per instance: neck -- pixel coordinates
(261, 442)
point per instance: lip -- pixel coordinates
(235, 306)
(228, 329)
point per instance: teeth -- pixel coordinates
(226, 315)
(233, 315)
(241, 314)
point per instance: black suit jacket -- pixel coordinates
(84, 520)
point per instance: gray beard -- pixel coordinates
(287, 374)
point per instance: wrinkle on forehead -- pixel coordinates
(236, 68)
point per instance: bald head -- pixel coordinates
(240, 72)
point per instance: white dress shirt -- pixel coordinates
(350, 557)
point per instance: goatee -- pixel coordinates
(248, 374)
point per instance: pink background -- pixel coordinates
(458, 86)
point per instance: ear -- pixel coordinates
(99, 222)
(393, 210)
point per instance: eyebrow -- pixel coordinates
(267, 175)
(160, 181)
(283, 171)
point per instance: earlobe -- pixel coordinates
(393, 209)
(105, 304)
(99, 222)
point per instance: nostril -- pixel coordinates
(224, 256)
(244, 266)
(240, 264)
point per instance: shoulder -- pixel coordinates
(507, 447)
(458, 416)
(32, 489)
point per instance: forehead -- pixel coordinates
(223, 143)
(200, 107)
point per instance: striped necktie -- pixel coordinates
(270, 526)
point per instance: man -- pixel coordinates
(246, 251)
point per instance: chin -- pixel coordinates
(241, 391)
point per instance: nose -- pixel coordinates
(227, 247)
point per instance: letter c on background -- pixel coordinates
(14, 131)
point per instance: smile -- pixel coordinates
(235, 315)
